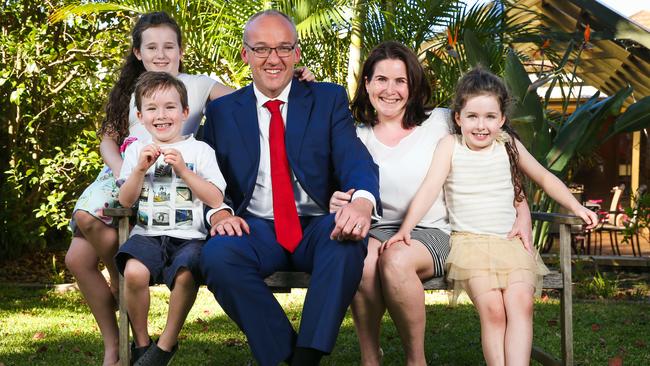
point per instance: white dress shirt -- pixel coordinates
(261, 203)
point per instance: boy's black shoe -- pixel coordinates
(156, 356)
(137, 352)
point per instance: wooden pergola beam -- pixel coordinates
(622, 28)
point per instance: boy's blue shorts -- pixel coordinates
(163, 256)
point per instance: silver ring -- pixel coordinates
(358, 226)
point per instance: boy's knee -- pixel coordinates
(184, 278)
(136, 273)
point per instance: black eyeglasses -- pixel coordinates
(264, 51)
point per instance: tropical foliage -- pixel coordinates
(53, 78)
(558, 139)
(56, 74)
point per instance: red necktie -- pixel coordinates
(287, 225)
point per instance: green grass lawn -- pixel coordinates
(43, 327)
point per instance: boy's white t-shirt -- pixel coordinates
(166, 205)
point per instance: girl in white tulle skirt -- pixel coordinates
(481, 168)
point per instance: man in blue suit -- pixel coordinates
(283, 147)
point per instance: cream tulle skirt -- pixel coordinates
(479, 263)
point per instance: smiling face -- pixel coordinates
(480, 121)
(273, 73)
(162, 114)
(159, 50)
(388, 89)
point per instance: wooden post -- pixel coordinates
(122, 214)
(566, 289)
(636, 165)
(566, 300)
(124, 317)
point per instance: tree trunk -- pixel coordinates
(356, 39)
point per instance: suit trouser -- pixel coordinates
(234, 269)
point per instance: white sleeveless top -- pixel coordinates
(402, 169)
(479, 191)
(198, 91)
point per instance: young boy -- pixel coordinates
(170, 179)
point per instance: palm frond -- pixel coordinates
(87, 9)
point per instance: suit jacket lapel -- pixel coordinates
(245, 115)
(298, 117)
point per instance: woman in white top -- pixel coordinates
(401, 133)
(156, 46)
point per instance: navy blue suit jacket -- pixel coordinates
(322, 147)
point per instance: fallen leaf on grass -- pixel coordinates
(552, 322)
(602, 341)
(38, 335)
(207, 312)
(41, 349)
(199, 321)
(76, 349)
(595, 327)
(639, 343)
(615, 361)
(204, 329)
(234, 342)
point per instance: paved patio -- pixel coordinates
(625, 248)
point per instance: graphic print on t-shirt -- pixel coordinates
(165, 201)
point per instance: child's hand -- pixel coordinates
(398, 237)
(303, 74)
(522, 228)
(340, 199)
(587, 215)
(148, 157)
(174, 158)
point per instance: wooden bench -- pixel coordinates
(285, 281)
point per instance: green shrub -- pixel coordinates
(599, 286)
(54, 79)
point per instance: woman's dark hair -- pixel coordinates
(116, 120)
(416, 107)
(480, 81)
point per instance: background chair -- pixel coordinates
(608, 218)
(617, 222)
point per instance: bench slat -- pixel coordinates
(557, 218)
(287, 280)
